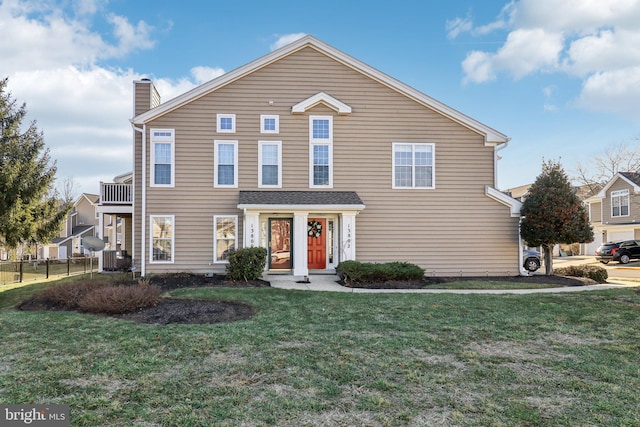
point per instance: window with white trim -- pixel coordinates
(226, 123)
(225, 237)
(413, 165)
(269, 123)
(162, 158)
(162, 238)
(620, 203)
(225, 168)
(270, 164)
(321, 151)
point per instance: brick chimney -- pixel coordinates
(145, 96)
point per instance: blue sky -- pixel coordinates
(560, 77)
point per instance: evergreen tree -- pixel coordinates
(553, 213)
(29, 210)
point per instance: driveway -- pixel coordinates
(614, 269)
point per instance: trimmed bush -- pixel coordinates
(593, 272)
(117, 299)
(246, 264)
(365, 272)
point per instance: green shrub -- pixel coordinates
(593, 272)
(364, 272)
(246, 264)
(117, 299)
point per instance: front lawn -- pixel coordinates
(317, 358)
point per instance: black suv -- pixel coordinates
(622, 252)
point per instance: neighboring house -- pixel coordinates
(80, 223)
(319, 158)
(114, 211)
(614, 212)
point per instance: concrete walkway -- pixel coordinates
(328, 283)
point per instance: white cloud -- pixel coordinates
(83, 108)
(286, 39)
(598, 41)
(616, 92)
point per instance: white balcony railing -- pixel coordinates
(115, 194)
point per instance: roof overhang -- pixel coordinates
(603, 193)
(499, 196)
(311, 201)
(491, 136)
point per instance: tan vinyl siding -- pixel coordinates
(634, 204)
(451, 228)
(595, 211)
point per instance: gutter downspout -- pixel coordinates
(499, 147)
(496, 157)
(143, 222)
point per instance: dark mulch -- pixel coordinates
(431, 281)
(189, 311)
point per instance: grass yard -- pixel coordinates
(315, 358)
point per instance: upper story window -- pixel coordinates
(162, 238)
(620, 203)
(269, 123)
(225, 168)
(321, 151)
(162, 158)
(413, 165)
(226, 123)
(270, 167)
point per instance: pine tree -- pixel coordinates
(29, 211)
(553, 213)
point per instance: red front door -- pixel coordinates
(317, 243)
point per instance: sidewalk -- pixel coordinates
(328, 283)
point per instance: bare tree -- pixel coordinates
(616, 158)
(69, 189)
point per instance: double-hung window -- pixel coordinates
(620, 203)
(321, 151)
(270, 167)
(162, 158)
(413, 165)
(225, 169)
(225, 237)
(269, 123)
(226, 123)
(162, 238)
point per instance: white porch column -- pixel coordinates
(99, 233)
(251, 229)
(300, 262)
(348, 237)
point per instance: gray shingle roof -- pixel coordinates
(299, 198)
(632, 176)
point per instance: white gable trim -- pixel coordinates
(491, 136)
(603, 193)
(499, 196)
(321, 98)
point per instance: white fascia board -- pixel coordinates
(323, 98)
(220, 81)
(302, 208)
(491, 136)
(499, 196)
(603, 193)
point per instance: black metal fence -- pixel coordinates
(27, 271)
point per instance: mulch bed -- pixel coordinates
(190, 311)
(431, 281)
